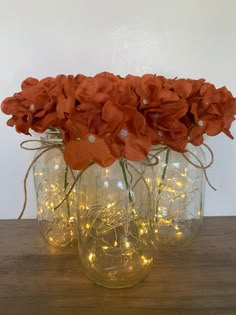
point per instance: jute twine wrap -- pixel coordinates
(151, 160)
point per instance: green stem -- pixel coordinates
(122, 165)
(66, 183)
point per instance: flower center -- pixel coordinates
(32, 107)
(91, 138)
(124, 132)
(200, 123)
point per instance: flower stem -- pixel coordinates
(122, 165)
(163, 175)
(164, 170)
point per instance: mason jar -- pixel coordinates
(115, 235)
(180, 182)
(52, 180)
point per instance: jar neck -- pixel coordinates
(51, 135)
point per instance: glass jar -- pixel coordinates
(181, 188)
(52, 179)
(115, 237)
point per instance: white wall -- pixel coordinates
(184, 38)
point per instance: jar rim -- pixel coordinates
(52, 134)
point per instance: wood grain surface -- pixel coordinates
(38, 279)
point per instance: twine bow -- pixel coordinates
(45, 147)
(200, 164)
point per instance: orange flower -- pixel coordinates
(79, 154)
(86, 119)
(129, 138)
(64, 92)
(151, 90)
(21, 112)
(97, 89)
(213, 114)
(124, 94)
(184, 88)
(165, 126)
(38, 93)
(106, 86)
(173, 134)
(105, 117)
(229, 117)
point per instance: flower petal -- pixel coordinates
(101, 153)
(77, 154)
(183, 87)
(137, 147)
(112, 114)
(196, 135)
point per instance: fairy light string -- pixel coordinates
(151, 160)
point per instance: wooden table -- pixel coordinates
(38, 279)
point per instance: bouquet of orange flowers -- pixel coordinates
(105, 117)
